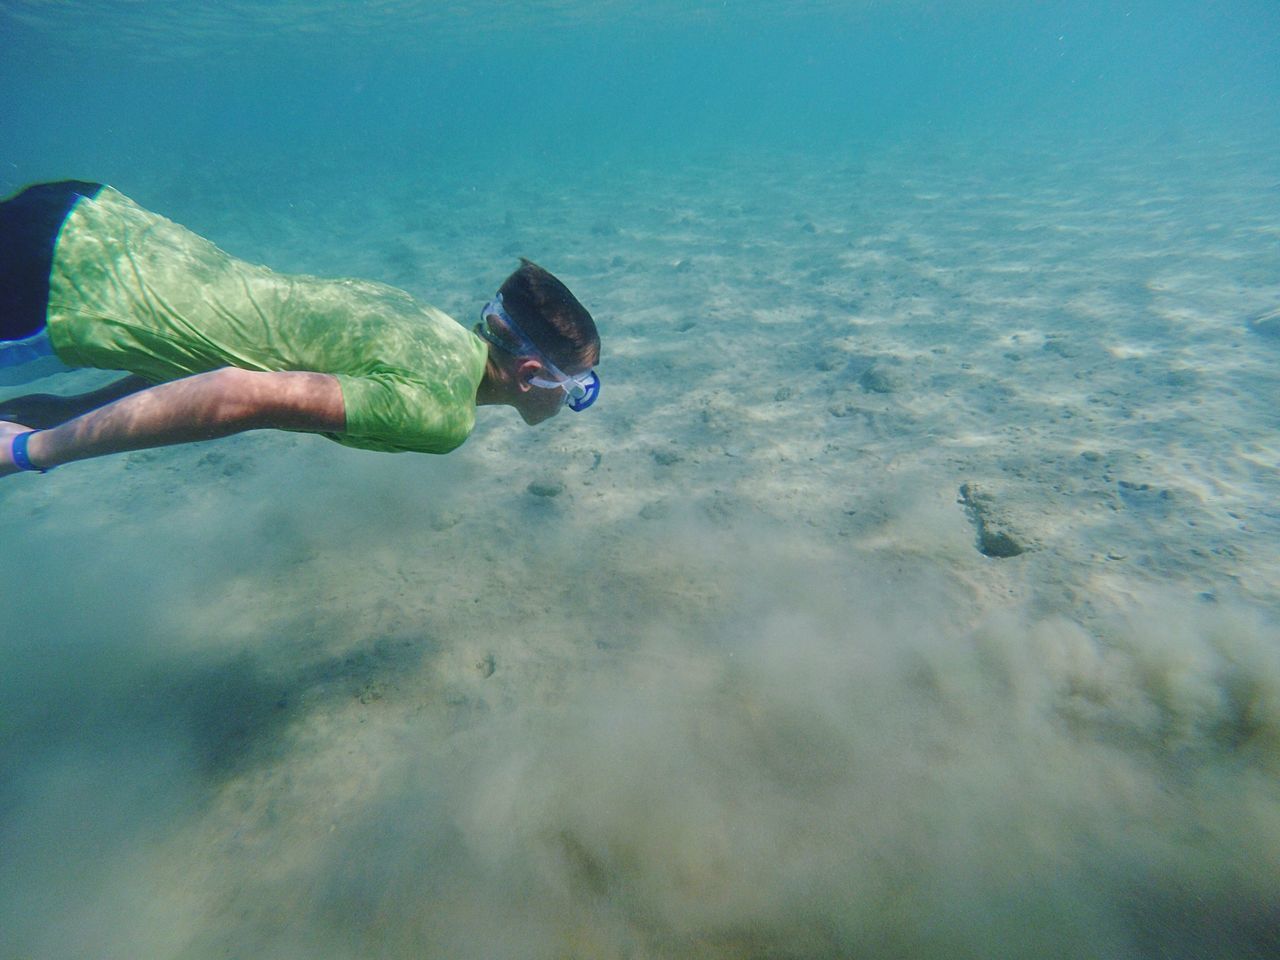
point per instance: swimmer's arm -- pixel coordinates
(44, 410)
(201, 407)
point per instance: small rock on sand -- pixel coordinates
(995, 537)
(878, 380)
(546, 488)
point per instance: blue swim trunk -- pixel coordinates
(29, 226)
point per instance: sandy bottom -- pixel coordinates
(911, 592)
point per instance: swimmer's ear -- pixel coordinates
(525, 372)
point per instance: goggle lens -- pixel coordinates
(583, 393)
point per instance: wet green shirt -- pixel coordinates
(130, 290)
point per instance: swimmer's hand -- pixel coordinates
(7, 432)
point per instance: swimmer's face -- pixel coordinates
(540, 404)
(534, 403)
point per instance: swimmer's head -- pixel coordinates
(551, 316)
(543, 347)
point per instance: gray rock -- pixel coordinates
(546, 488)
(878, 380)
(995, 537)
(1057, 344)
(655, 511)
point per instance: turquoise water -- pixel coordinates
(525, 87)
(913, 590)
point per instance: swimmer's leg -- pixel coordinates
(44, 410)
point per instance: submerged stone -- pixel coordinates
(878, 380)
(546, 488)
(995, 537)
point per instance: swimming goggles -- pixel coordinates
(580, 391)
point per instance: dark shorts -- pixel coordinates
(29, 225)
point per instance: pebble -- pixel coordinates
(877, 380)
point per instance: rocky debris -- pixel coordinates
(545, 488)
(657, 510)
(1061, 346)
(444, 520)
(720, 508)
(878, 380)
(842, 410)
(829, 361)
(996, 538)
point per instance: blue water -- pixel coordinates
(720, 669)
(127, 88)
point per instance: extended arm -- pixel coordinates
(202, 407)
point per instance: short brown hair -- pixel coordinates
(551, 317)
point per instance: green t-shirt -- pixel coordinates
(130, 290)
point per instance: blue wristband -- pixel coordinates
(18, 451)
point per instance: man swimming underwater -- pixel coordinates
(214, 346)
